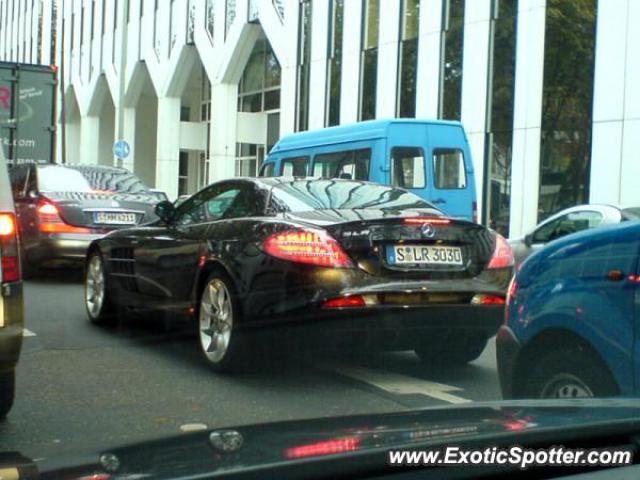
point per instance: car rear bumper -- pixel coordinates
(507, 351)
(11, 325)
(390, 328)
(61, 246)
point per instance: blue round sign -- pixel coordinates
(121, 149)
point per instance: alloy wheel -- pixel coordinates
(94, 286)
(566, 386)
(215, 320)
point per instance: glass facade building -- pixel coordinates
(546, 91)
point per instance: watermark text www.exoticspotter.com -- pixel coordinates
(515, 455)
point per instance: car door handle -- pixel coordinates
(615, 275)
(438, 201)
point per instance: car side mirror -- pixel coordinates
(528, 239)
(165, 210)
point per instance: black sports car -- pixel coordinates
(335, 262)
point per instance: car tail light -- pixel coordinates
(474, 213)
(502, 254)
(50, 221)
(351, 301)
(482, 299)
(9, 259)
(311, 247)
(423, 220)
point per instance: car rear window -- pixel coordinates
(60, 179)
(306, 195)
(113, 180)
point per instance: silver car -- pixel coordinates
(568, 221)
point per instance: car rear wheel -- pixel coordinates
(221, 344)
(96, 294)
(453, 348)
(568, 374)
(7, 391)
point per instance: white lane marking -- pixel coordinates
(403, 384)
(27, 333)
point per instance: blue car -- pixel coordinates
(570, 323)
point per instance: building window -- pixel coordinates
(259, 91)
(183, 173)
(172, 33)
(93, 16)
(82, 26)
(304, 65)
(104, 17)
(408, 58)
(451, 67)
(369, 59)
(497, 191)
(334, 62)
(230, 15)
(156, 19)
(209, 18)
(567, 97)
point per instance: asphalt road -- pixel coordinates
(82, 388)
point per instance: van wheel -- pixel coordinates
(451, 349)
(568, 374)
(7, 391)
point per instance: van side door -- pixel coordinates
(451, 168)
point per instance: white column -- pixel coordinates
(609, 102)
(168, 145)
(351, 46)
(474, 84)
(318, 83)
(89, 141)
(527, 118)
(630, 171)
(428, 77)
(387, 75)
(222, 137)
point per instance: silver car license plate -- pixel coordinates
(114, 218)
(423, 255)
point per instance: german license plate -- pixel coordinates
(114, 218)
(423, 255)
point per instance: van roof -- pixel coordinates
(351, 132)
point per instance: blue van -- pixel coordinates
(431, 158)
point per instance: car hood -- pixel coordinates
(296, 444)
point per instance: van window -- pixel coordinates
(268, 169)
(295, 167)
(349, 164)
(407, 164)
(448, 166)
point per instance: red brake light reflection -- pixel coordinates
(325, 447)
(341, 302)
(422, 220)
